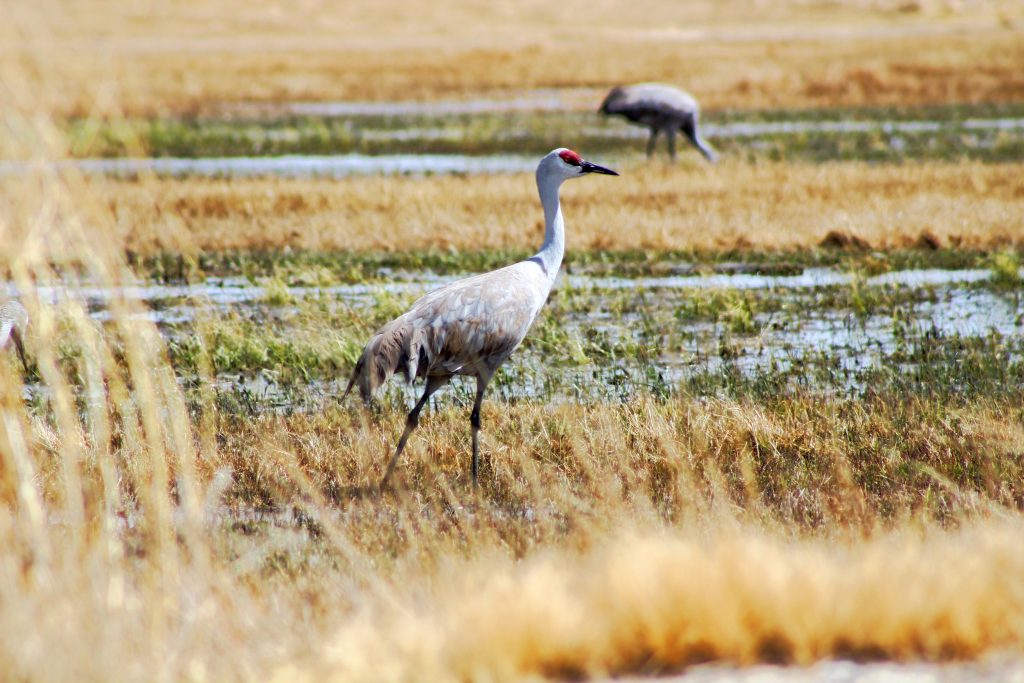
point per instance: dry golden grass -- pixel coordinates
(773, 206)
(606, 538)
(189, 56)
(655, 603)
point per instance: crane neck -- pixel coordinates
(553, 248)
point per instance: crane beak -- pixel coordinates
(587, 167)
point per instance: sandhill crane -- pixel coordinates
(662, 108)
(13, 321)
(469, 327)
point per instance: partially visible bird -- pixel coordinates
(662, 108)
(13, 321)
(471, 326)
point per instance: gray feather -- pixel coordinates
(662, 108)
(461, 328)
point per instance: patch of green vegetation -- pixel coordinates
(865, 300)
(320, 268)
(599, 343)
(1005, 266)
(734, 308)
(940, 113)
(317, 341)
(958, 370)
(275, 292)
(537, 132)
(952, 366)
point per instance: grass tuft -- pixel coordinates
(1006, 269)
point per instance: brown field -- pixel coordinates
(606, 539)
(191, 56)
(148, 534)
(145, 536)
(766, 206)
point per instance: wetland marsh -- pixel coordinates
(770, 414)
(284, 342)
(509, 134)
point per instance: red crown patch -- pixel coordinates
(570, 157)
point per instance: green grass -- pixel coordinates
(320, 268)
(601, 343)
(537, 132)
(597, 343)
(1005, 266)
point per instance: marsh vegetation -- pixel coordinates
(770, 413)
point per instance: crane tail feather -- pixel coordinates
(394, 348)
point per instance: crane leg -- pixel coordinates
(16, 338)
(433, 384)
(671, 145)
(689, 129)
(651, 141)
(474, 421)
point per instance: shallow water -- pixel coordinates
(503, 136)
(755, 129)
(858, 343)
(637, 333)
(809, 278)
(291, 166)
(758, 129)
(534, 100)
(238, 290)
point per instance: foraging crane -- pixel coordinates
(469, 327)
(13, 321)
(662, 108)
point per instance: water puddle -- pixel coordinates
(290, 166)
(530, 101)
(783, 343)
(505, 135)
(808, 279)
(758, 129)
(220, 291)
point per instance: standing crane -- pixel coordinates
(471, 326)
(661, 108)
(13, 321)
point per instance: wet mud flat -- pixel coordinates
(608, 338)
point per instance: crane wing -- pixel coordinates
(651, 98)
(475, 324)
(467, 327)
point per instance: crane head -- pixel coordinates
(614, 95)
(569, 164)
